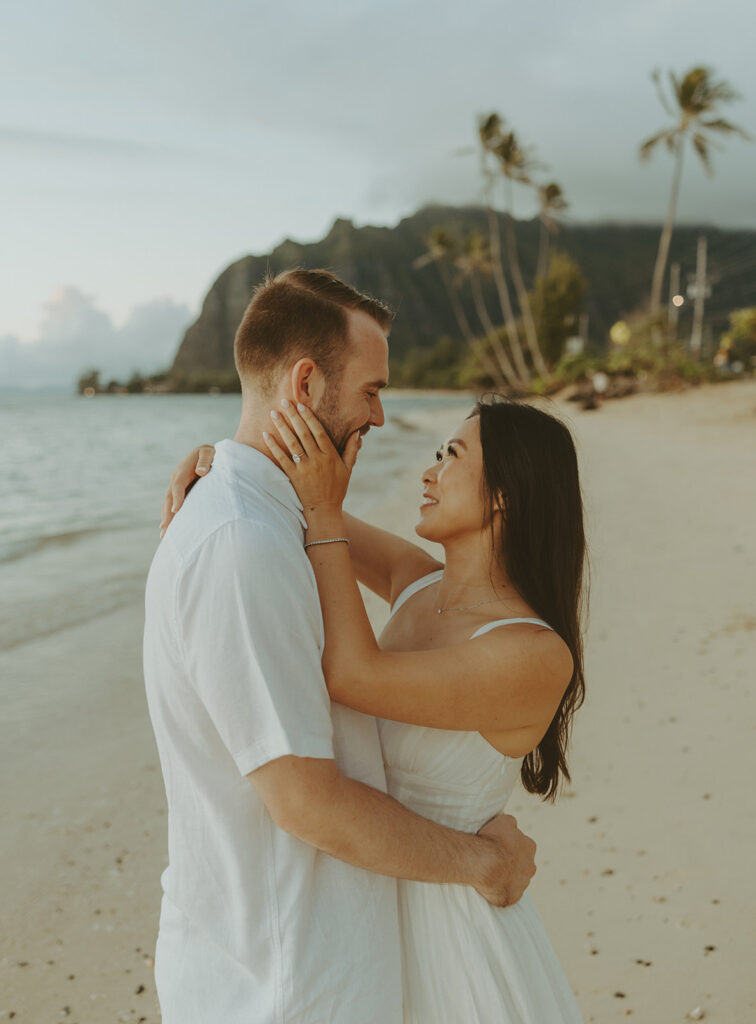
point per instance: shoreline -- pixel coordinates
(644, 864)
(680, 386)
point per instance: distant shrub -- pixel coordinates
(219, 382)
(88, 382)
(438, 367)
(556, 301)
(738, 345)
(572, 368)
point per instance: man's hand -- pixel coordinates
(512, 862)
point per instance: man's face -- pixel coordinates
(354, 401)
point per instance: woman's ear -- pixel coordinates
(500, 505)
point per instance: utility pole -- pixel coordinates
(674, 291)
(698, 299)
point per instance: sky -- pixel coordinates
(145, 146)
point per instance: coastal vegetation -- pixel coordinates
(527, 306)
(427, 346)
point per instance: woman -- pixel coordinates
(460, 699)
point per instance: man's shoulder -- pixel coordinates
(236, 534)
(248, 533)
(244, 563)
(236, 547)
(212, 505)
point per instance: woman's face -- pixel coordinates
(453, 504)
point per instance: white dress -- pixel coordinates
(464, 961)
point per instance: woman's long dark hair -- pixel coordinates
(530, 470)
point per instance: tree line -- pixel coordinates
(523, 344)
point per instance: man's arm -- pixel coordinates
(312, 800)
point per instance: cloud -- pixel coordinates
(31, 142)
(75, 335)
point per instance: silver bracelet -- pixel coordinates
(333, 540)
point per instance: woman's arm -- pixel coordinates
(384, 562)
(194, 465)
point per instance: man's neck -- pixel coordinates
(255, 418)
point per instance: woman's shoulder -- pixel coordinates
(520, 620)
(414, 576)
(533, 640)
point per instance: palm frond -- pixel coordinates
(701, 146)
(722, 92)
(477, 252)
(698, 92)
(656, 79)
(648, 146)
(440, 245)
(693, 87)
(551, 198)
(720, 125)
(515, 161)
(677, 89)
(489, 129)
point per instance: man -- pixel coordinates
(279, 905)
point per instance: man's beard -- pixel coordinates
(333, 422)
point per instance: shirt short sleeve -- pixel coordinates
(248, 613)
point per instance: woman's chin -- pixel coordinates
(424, 530)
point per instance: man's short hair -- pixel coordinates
(299, 313)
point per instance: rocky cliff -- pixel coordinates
(617, 261)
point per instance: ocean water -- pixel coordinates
(82, 481)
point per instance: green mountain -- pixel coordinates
(616, 260)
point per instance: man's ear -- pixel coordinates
(307, 382)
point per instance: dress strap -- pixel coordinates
(414, 587)
(505, 622)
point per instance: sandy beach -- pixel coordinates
(645, 863)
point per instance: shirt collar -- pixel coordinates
(257, 468)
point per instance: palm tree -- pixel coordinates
(516, 164)
(489, 132)
(474, 262)
(442, 249)
(551, 201)
(695, 98)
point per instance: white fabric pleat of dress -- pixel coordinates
(464, 961)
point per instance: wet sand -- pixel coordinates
(645, 878)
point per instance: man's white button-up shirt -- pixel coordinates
(256, 926)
